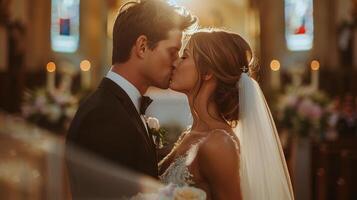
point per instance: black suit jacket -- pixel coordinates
(108, 125)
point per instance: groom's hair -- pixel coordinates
(152, 18)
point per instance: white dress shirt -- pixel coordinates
(129, 89)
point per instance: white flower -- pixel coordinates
(153, 123)
(189, 193)
(53, 112)
(61, 99)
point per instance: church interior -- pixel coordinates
(54, 53)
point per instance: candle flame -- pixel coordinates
(51, 67)
(315, 65)
(275, 65)
(85, 65)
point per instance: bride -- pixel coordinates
(232, 150)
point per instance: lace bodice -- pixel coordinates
(178, 172)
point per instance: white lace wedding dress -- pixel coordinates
(178, 172)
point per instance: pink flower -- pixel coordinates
(291, 100)
(315, 112)
(40, 101)
(305, 107)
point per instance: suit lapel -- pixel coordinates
(150, 136)
(130, 108)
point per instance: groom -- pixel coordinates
(110, 123)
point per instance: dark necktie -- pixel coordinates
(144, 104)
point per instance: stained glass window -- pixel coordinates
(299, 26)
(65, 25)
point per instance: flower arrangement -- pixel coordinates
(303, 111)
(52, 110)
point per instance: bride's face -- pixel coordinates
(185, 74)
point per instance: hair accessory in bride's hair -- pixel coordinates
(245, 69)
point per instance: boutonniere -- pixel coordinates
(156, 131)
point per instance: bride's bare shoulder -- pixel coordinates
(220, 143)
(218, 158)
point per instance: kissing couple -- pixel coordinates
(232, 150)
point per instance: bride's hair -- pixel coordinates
(224, 54)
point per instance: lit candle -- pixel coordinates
(315, 66)
(51, 75)
(275, 74)
(85, 74)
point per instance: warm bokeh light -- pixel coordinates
(51, 67)
(85, 65)
(275, 65)
(315, 65)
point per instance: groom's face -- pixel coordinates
(160, 61)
